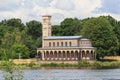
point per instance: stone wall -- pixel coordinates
(27, 61)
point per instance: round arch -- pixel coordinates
(64, 56)
(76, 54)
(51, 54)
(83, 54)
(68, 54)
(55, 54)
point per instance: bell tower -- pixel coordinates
(46, 27)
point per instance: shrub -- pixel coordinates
(31, 64)
(84, 64)
(53, 64)
(97, 65)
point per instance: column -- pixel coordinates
(70, 56)
(65, 55)
(48, 55)
(80, 55)
(43, 56)
(53, 55)
(57, 55)
(62, 56)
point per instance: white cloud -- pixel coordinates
(63, 4)
(59, 9)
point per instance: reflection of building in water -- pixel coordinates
(63, 47)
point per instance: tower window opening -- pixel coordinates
(61, 43)
(57, 43)
(70, 43)
(65, 43)
(49, 44)
(53, 43)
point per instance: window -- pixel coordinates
(49, 44)
(70, 43)
(45, 20)
(65, 43)
(53, 43)
(57, 43)
(61, 43)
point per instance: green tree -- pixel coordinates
(20, 51)
(14, 23)
(116, 28)
(9, 39)
(70, 26)
(34, 28)
(9, 69)
(57, 30)
(100, 31)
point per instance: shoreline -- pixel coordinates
(79, 65)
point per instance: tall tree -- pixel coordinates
(14, 22)
(70, 26)
(34, 28)
(20, 51)
(100, 31)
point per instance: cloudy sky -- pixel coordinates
(28, 10)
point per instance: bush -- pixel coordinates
(84, 64)
(31, 64)
(49, 65)
(53, 65)
(97, 65)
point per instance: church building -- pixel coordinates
(63, 48)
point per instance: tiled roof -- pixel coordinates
(47, 48)
(63, 37)
(84, 39)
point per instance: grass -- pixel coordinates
(85, 64)
(103, 64)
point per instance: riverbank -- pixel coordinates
(106, 63)
(85, 65)
(80, 65)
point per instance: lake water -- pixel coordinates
(70, 74)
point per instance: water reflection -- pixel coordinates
(70, 74)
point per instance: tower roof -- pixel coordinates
(46, 16)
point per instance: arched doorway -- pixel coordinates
(72, 55)
(51, 55)
(55, 54)
(83, 54)
(87, 55)
(64, 56)
(59, 55)
(68, 55)
(76, 55)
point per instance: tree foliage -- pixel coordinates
(103, 31)
(34, 28)
(14, 22)
(20, 51)
(67, 27)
